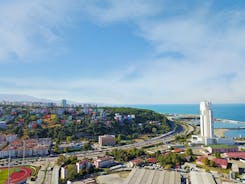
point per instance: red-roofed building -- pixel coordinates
(104, 162)
(152, 160)
(178, 150)
(200, 160)
(136, 162)
(236, 155)
(223, 163)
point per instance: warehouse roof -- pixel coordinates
(201, 178)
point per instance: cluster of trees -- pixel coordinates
(170, 160)
(126, 155)
(88, 128)
(128, 129)
(63, 160)
(143, 117)
(208, 162)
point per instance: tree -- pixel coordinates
(65, 149)
(217, 155)
(205, 161)
(189, 152)
(71, 174)
(211, 163)
(61, 159)
(68, 139)
(56, 147)
(87, 146)
(119, 138)
(168, 166)
(154, 130)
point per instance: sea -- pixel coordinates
(234, 112)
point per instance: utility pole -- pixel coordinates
(9, 168)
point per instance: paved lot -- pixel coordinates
(110, 179)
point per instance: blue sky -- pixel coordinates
(124, 52)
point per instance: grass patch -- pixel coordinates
(123, 174)
(4, 173)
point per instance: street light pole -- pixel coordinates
(9, 168)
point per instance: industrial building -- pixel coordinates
(201, 178)
(139, 176)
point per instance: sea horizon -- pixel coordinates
(234, 112)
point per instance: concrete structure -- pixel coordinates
(104, 162)
(107, 140)
(63, 172)
(139, 176)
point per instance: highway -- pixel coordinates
(48, 176)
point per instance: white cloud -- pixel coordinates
(27, 27)
(209, 48)
(116, 10)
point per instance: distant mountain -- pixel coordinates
(28, 98)
(21, 98)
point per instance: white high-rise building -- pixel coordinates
(207, 127)
(206, 120)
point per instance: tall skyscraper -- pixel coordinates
(207, 136)
(206, 120)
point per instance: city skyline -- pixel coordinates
(124, 52)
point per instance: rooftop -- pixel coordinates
(220, 161)
(201, 178)
(104, 158)
(236, 155)
(138, 176)
(220, 146)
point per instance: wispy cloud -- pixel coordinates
(32, 27)
(198, 54)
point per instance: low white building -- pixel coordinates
(83, 165)
(104, 162)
